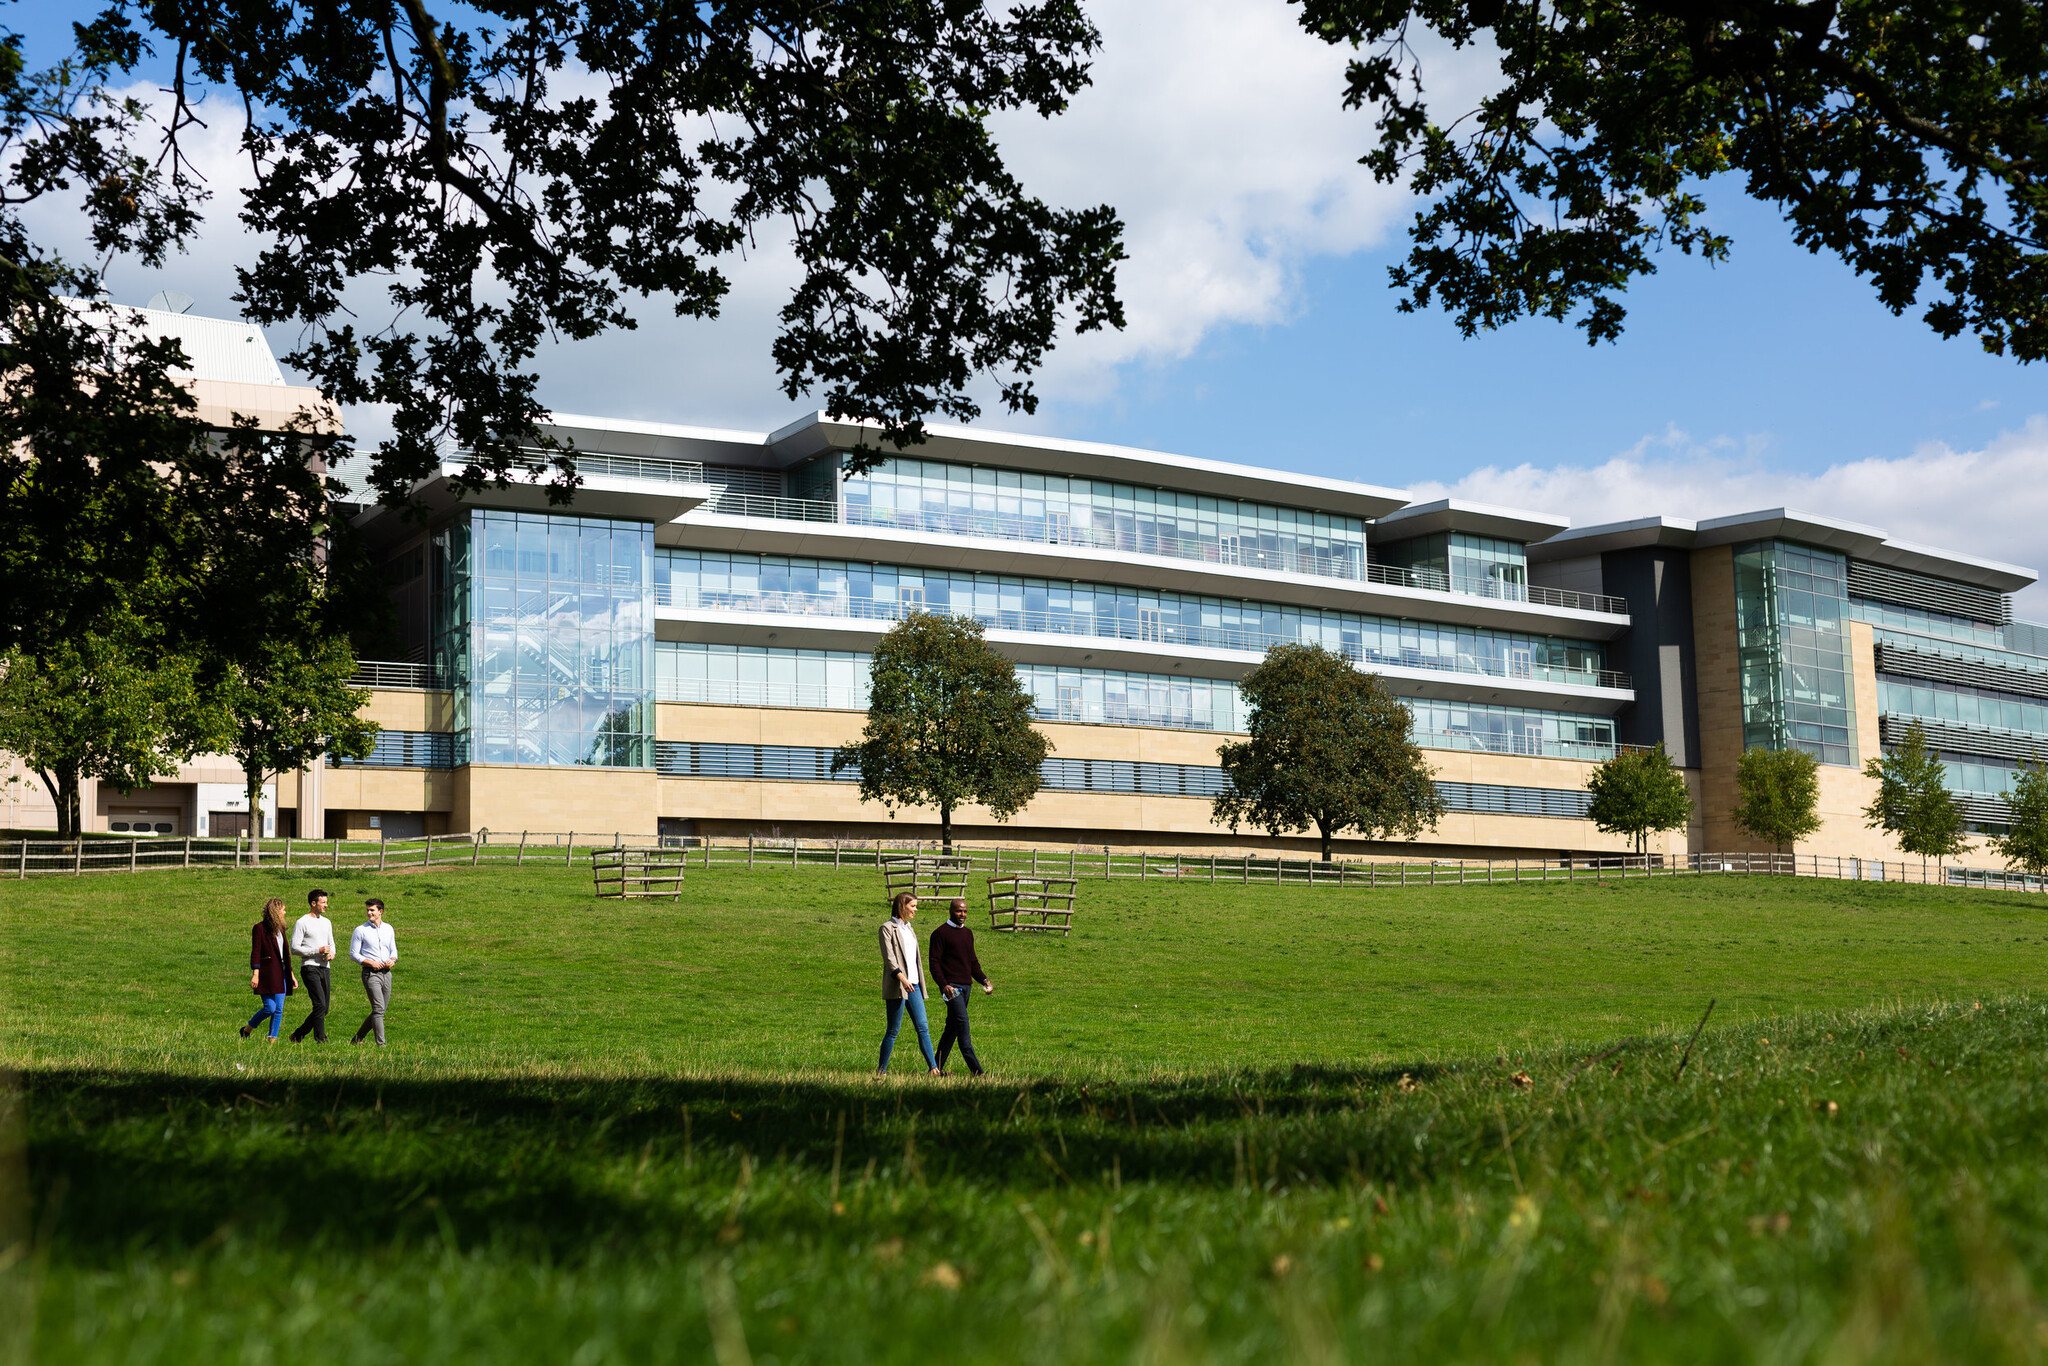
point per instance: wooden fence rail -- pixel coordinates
(77, 858)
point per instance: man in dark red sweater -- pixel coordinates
(953, 965)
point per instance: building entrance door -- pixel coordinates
(223, 825)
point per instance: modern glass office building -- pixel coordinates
(682, 649)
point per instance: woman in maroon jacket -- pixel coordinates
(270, 967)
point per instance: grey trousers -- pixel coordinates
(377, 985)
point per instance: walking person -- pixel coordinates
(270, 968)
(903, 982)
(313, 942)
(954, 965)
(375, 947)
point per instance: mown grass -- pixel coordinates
(1419, 1126)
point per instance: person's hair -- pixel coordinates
(896, 903)
(374, 903)
(273, 913)
(314, 896)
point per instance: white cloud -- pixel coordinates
(1991, 502)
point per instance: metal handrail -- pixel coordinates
(1155, 632)
(389, 673)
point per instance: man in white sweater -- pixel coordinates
(313, 942)
(375, 947)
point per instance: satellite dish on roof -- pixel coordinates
(171, 301)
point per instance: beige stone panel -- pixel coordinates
(410, 709)
(274, 406)
(1720, 696)
(389, 789)
(508, 797)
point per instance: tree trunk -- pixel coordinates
(254, 779)
(64, 783)
(946, 827)
(1326, 840)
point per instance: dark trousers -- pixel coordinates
(319, 994)
(956, 1029)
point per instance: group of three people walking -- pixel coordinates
(373, 946)
(903, 992)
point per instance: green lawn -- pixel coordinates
(1223, 1124)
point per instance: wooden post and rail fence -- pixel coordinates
(27, 858)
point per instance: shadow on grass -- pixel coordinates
(120, 1159)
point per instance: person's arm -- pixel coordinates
(302, 938)
(392, 961)
(974, 965)
(356, 950)
(255, 955)
(892, 955)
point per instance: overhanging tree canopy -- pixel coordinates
(1907, 137)
(513, 171)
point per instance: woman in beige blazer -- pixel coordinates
(903, 981)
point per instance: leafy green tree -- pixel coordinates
(1913, 803)
(1904, 136)
(96, 707)
(1637, 793)
(2025, 842)
(948, 724)
(514, 174)
(285, 705)
(1777, 792)
(1328, 748)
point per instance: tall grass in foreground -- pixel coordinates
(1832, 1187)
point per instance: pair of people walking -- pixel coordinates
(373, 946)
(953, 963)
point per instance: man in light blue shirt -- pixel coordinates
(375, 947)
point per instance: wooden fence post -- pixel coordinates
(188, 851)
(569, 858)
(427, 854)
(794, 845)
(24, 856)
(78, 857)
(383, 847)
(133, 845)
(520, 860)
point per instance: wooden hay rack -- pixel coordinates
(625, 872)
(928, 877)
(1024, 902)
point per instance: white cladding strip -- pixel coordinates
(702, 530)
(1137, 656)
(1832, 533)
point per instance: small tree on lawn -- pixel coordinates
(284, 704)
(97, 706)
(948, 724)
(1777, 792)
(1638, 793)
(2025, 842)
(1328, 748)
(1913, 803)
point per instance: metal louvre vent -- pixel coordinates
(807, 763)
(1904, 588)
(1982, 810)
(1564, 803)
(404, 749)
(1950, 738)
(1954, 669)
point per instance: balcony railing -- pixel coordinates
(386, 673)
(1229, 551)
(1147, 629)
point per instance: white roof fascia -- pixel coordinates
(661, 440)
(894, 545)
(1137, 656)
(1631, 535)
(221, 349)
(1479, 519)
(1949, 564)
(819, 433)
(1790, 524)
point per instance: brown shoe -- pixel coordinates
(245, 1031)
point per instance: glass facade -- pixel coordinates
(544, 631)
(1962, 705)
(1511, 730)
(963, 500)
(1924, 622)
(1791, 610)
(761, 675)
(1458, 563)
(702, 580)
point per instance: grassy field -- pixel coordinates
(1222, 1124)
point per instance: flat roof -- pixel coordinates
(1788, 524)
(1479, 519)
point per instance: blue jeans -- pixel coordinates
(273, 1010)
(924, 1030)
(956, 1030)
